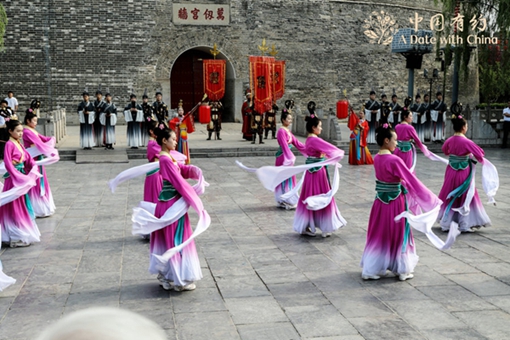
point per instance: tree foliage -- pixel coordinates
(3, 25)
(494, 60)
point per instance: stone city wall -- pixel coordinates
(54, 48)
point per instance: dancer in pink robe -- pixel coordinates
(153, 181)
(40, 195)
(463, 154)
(407, 137)
(182, 269)
(390, 244)
(317, 182)
(17, 217)
(285, 157)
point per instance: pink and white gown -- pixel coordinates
(464, 207)
(40, 195)
(390, 244)
(406, 135)
(184, 267)
(285, 157)
(17, 217)
(316, 182)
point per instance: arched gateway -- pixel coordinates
(187, 81)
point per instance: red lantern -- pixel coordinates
(204, 114)
(342, 109)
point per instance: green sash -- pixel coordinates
(459, 163)
(404, 146)
(280, 152)
(152, 172)
(168, 192)
(21, 168)
(311, 160)
(387, 192)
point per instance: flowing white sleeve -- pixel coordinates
(490, 180)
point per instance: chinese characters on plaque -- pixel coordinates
(198, 14)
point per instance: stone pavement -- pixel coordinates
(261, 279)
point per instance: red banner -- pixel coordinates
(261, 75)
(278, 79)
(214, 78)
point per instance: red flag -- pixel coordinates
(278, 79)
(261, 70)
(214, 78)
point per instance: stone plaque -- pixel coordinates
(197, 14)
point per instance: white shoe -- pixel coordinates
(326, 235)
(403, 277)
(190, 286)
(290, 207)
(370, 277)
(166, 285)
(309, 232)
(470, 230)
(18, 243)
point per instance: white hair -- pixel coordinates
(103, 323)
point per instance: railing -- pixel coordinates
(53, 124)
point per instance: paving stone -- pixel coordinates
(455, 298)
(493, 324)
(210, 325)
(200, 300)
(255, 310)
(481, 284)
(297, 294)
(241, 286)
(386, 327)
(358, 303)
(319, 321)
(268, 331)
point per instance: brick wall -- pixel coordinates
(54, 48)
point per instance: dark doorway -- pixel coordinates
(186, 79)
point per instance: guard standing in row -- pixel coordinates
(215, 123)
(395, 109)
(99, 106)
(246, 111)
(6, 114)
(147, 117)
(437, 114)
(257, 126)
(385, 110)
(160, 109)
(372, 115)
(133, 113)
(108, 120)
(270, 121)
(86, 112)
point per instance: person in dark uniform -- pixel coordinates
(147, 117)
(257, 126)
(426, 117)
(418, 111)
(99, 106)
(246, 111)
(109, 120)
(438, 115)
(270, 121)
(6, 114)
(372, 113)
(160, 109)
(215, 123)
(133, 113)
(87, 112)
(385, 110)
(395, 110)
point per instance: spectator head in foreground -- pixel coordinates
(103, 323)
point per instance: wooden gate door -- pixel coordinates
(186, 79)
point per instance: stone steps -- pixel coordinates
(248, 151)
